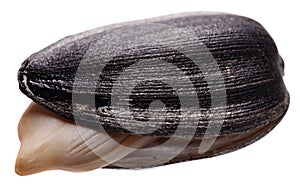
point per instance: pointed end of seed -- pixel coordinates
(39, 149)
(49, 142)
(25, 166)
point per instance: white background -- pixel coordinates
(272, 163)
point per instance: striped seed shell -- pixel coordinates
(245, 54)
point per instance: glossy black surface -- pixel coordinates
(245, 53)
